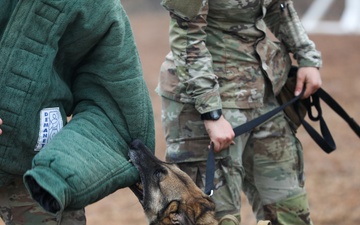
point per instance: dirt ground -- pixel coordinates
(333, 182)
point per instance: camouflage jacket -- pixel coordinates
(222, 53)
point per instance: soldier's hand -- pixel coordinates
(0, 126)
(220, 132)
(309, 76)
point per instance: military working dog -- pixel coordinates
(167, 194)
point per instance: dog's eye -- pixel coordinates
(160, 173)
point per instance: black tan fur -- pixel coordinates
(167, 194)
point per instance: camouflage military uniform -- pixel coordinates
(222, 58)
(18, 208)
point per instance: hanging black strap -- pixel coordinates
(339, 110)
(325, 140)
(210, 171)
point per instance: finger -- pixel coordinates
(216, 146)
(220, 147)
(223, 145)
(311, 88)
(299, 86)
(307, 92)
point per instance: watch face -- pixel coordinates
(213, 115)
(216, 116)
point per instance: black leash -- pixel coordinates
(246, 127)
(210, 170)
(325, 140)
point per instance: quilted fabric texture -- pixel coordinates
(80, 57)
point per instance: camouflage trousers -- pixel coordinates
(266, 163)
(18, 208)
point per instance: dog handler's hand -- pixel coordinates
(309, 76)
(220, 132)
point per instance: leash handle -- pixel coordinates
(325, 140)
(339, 110)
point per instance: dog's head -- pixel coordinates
(167, 194)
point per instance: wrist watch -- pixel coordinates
(212, 115)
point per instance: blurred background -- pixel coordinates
(333, 180)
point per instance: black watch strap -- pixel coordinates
(212, 115)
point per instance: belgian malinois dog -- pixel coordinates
(167, 194)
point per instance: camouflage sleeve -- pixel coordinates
(193, 60)
(284, 22)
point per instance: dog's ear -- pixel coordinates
(175, 215)
(178, 213)
(202, 210)
(173, 212)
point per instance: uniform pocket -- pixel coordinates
(186, 9)
(185, 133)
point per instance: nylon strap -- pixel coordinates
(246, 127)
(324, 140)
(210, 171)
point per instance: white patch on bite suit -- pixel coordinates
(51, 123)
